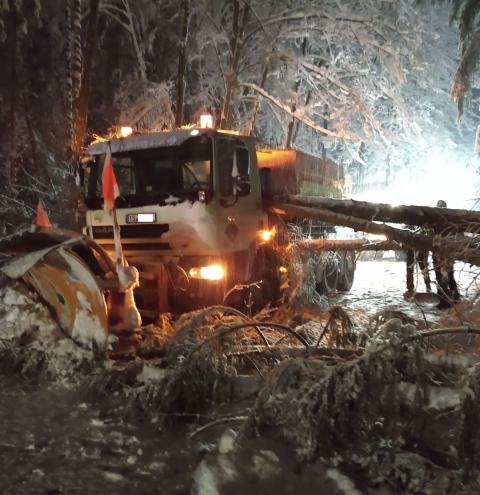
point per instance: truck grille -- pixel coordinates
(131, 231)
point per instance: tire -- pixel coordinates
(327, 276)
(347, 271)
(265, 269)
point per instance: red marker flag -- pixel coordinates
(109, 184)
(42, 217)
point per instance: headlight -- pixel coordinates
(210, 272)
(266, 235)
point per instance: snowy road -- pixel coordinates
(58, 441)
(381, 284)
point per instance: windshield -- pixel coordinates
(150, 175)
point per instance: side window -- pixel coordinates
(241, 171)
(225, 166)
(234, 167)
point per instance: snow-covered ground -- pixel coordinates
(381, 284)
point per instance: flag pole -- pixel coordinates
(119, 258)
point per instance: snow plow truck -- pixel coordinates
(194, 219)
(198, 227)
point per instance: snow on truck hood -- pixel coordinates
(150, 140)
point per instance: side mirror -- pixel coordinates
(241, 185)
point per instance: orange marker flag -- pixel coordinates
(110, 193)
(109, 184)
(42, 217)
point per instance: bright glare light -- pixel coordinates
(125, 131)
(210, 272)
(442, 173)
(206, 121)
(283, 269)
(266, 235)
(195, 132)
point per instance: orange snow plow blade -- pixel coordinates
(70, 273)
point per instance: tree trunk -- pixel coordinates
(348, 245)
(236, 45)
(73, 65)
(182, 63)
(256, 106)
(142, 66)
(31, 133)
(296, 123)
(263, 80)
(441, 220)
(84, 93)
(14, 60)
(77, 52)
(292, 124)
(456, 247)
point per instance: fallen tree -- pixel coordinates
(395, 416)
(453, 246)
(438, 219)
(349, 245)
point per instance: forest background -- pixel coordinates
(387, 89)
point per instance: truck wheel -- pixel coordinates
(347, 271)
(265, 269)
(327, 276)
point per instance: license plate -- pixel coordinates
(141, 218)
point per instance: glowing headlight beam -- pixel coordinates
(210, 272)
(266, 235)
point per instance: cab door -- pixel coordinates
(238, 191)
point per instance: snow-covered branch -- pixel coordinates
(341, 134)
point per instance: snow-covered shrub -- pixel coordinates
(391, 412)
(31, 342)
(145, 105)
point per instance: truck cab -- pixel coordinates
(190, 211)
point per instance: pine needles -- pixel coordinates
(380, 416)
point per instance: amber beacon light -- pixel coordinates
(206, 121)
(125, 131)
